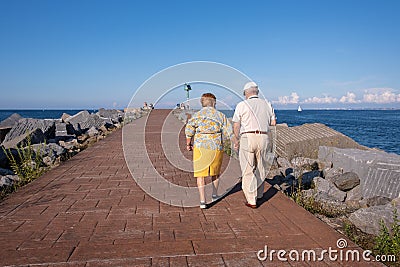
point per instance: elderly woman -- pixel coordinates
(207, 127)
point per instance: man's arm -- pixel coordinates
(273, 122)
(236, 132)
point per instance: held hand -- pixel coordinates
(236, 145)
(189, 147)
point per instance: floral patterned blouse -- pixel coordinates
(209, 127)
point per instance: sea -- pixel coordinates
(371, 128)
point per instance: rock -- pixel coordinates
(323, 186)
(329, 173)
(308, 177)
(304, 163)
(327, 201)
(70, 145)
(64, 116)
(47, 160)
(4, 162)
(103, 129)
(378, 171)
(396, 201)
(52, 150)
(114, 115)
(183, 115)
(92, 132)
(346, 181)
(272, 173)
(324, 164)
(283, 162)
(374, 201)
(305, 140)
(61, 132)
(8, 180)
(82, 138)
(335, 223)
(4, 172)
(39, 130)
(7, 124)
(354, 194)
(10, 121)
(353, 204)
(34, 137)
(83, 121)
(130, 116)
(367, 219)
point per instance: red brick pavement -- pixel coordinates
(90, 212)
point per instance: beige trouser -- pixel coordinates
(253, 163)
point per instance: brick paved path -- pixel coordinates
(90, 212)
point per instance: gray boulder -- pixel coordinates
(64, 116)
(92, 132)
(38, 129)
(10, 121)
(323, 186)
(70, 145)
(329, 203)
(114, 115)
(34, 137)
(374, 201)
(346, 181)
(62, 132)
(354, 194)
(304, 163)
(52, 150)
(8, 180)
(329, 173)
(283, 162)
(368, 219)
(7, 124)
(378, 171)
(83, 121)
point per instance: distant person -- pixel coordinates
(145, 106)
(251, 122)
(207, 127)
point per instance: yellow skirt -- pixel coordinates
(206, 162)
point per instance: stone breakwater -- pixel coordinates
(56, 140)
(347, 180)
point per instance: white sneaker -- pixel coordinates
(215, 197)
(203, 205)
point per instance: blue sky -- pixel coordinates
(91, 54)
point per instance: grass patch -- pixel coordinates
(27, 164)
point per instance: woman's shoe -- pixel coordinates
(203, 205)
(215, 197)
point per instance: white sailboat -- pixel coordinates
(299, 109)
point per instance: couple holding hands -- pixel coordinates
(249, 135)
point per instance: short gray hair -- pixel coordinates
(252, 91)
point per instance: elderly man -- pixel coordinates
(251, 122)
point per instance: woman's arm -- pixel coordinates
(189, 145)
(190, 130)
